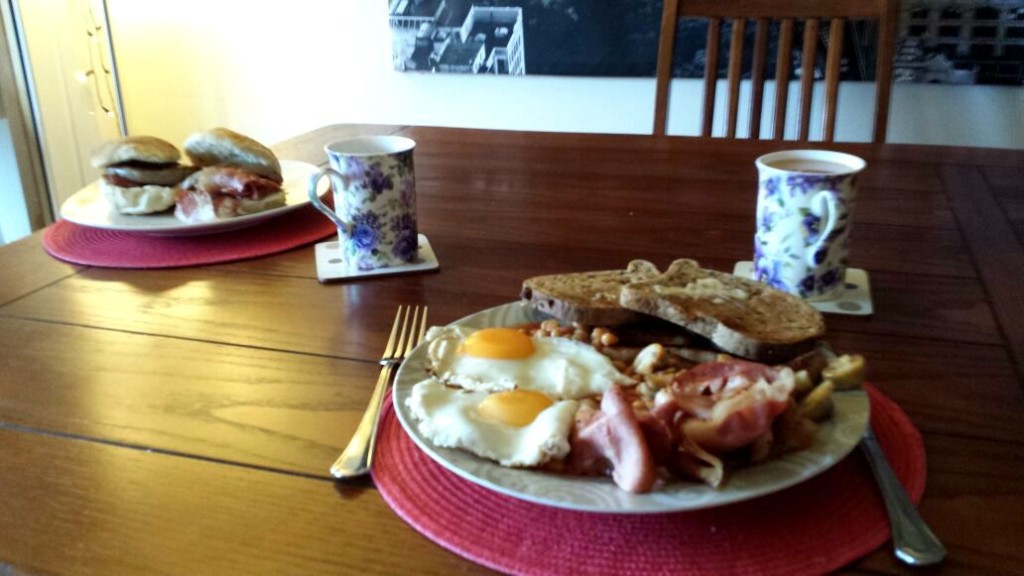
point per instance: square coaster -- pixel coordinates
(330, 263)
(855, 299)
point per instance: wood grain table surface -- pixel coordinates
(182, 421)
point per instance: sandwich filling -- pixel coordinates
(132, 174)
(224, 192)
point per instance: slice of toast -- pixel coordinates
(590, 298)
(740, 316)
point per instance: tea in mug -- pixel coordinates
(807, 166)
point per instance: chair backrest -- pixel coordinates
(813, 13)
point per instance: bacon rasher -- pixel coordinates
(609, 442)
(224, 192)
(707, 412)
(745, 398)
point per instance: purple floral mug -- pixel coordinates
(374, 200)
(804, 204)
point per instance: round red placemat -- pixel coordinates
(812, 528)
(116, 249)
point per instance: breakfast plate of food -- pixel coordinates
(583, 396)
(231, 182)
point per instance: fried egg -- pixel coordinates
(521, 428)
(494, 359)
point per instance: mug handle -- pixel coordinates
(835, 212)
(314, 198)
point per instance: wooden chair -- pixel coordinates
(813, 13)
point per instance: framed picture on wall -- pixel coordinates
(549, 37)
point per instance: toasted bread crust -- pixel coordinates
(740, 316)
(590, 298)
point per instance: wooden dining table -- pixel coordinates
(183, 420)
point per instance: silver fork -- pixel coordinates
(357, 458)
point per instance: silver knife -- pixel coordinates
(913, 541)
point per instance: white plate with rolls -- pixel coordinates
(88, 207)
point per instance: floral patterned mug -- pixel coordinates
(374, 200)
(804, 204)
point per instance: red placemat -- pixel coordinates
(812, 528)
(116, 249)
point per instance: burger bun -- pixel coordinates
(221, 146)
(145, 199)
(144, 149)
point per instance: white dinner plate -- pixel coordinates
(835, 439)
(88, 207)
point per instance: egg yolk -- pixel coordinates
(514, 407)
(498, 343)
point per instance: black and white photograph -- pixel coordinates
(616, 38)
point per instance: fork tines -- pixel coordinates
(405, 335)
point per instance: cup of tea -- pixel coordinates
(805, 202)
(374, 186)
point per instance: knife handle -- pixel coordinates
(913, 541)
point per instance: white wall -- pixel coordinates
(991, 116)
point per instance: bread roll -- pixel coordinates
(148, 149)
(144, 199)
(221, 146)
(140, 173)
